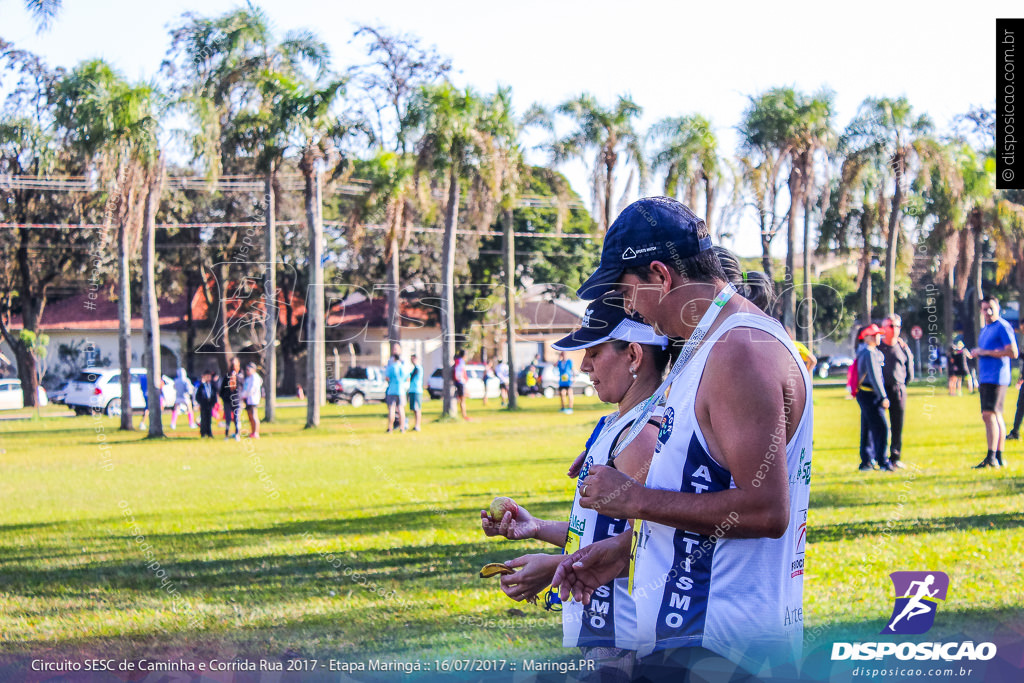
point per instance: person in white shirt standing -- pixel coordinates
(183, 390)
(252, 394)
(502, 373)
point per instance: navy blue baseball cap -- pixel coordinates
(649, 229)
(606, 319)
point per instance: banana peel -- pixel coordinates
(498, 569)
(495, 569)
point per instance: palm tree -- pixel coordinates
(267, 134)
(940, 187)
(154, 180)
(228, 72)
(112, 124)
(390, 196)
(456, 128)
(507, 166)
(788, 127)
(43, 12)
(608, 132)
(758, 176)
(891, 131)
(687, 149)
(309, 105)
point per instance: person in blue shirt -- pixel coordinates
(397, 376)
(996, 346)
(565, 376)
(416, 391)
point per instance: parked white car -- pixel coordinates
(474, 385)
(100, 388)
(11, 397)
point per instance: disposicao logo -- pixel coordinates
(917, 596)
(913, 612)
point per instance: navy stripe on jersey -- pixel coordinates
(597, 628)
(684, 603)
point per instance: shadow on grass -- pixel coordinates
(905, 527)
(398, 632)
(264, 576)
(840, 493)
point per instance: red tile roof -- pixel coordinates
(79, 312)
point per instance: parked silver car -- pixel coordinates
(359, 385)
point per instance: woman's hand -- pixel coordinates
(533, 578)
(523, 525)
(577, 465)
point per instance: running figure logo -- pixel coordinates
(917, 596)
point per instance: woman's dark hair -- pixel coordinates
(754, 286)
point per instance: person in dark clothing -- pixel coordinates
(897, 371)
(230, 394)
(206, 398)
(957, 367)
(873, 401)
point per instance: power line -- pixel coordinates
(332, 224)
(290, 182)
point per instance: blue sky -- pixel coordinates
(672, 57)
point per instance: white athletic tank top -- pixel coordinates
(740, 598)
(610, 618)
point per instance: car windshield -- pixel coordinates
(356, 373)
(436, 373)
(87, 377)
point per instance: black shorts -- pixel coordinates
(992, 396)
(460, 389)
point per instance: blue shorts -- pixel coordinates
(415, 401)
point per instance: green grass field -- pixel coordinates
(358, 543)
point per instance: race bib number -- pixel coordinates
(632, 555)
(572, 542)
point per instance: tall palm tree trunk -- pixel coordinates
(891, 244)
(451, 223)
(948, 292)
(221, 273)
(975, 302)
(509, 248)
(270, 294)
(766, 250)
(315, 356)
(789, 289)
(709, 203)
(865, 285)
(124, 322)
(807, 305)
(609, 183)
(150, 306)
(395, 216)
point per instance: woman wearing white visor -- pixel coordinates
(626, 361)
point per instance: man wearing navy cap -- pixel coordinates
(717, 556)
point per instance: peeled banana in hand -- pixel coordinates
(495, 569)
